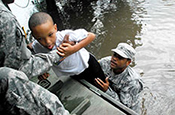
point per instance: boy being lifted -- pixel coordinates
(80, 63)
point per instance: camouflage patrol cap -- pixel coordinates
(124, 50)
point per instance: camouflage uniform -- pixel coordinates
(20, 96)
(13, 49)
(124, 87)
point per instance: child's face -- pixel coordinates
(45, 34)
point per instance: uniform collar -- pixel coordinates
(121, 74)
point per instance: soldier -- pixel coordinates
(13, 49)
(20, 96)
(122, 82)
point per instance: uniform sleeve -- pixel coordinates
(15, 52)
(39, 63)
(129, 94)
(112, 93)
(105, 64)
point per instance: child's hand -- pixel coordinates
(66, 49)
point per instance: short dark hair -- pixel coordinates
(39, 18)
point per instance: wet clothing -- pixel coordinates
(20, 96)
(124, 87)
(13, 49)
(80, 64)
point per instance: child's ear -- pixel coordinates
(55, 26)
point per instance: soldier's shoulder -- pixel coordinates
(5, 15)
(108, 58)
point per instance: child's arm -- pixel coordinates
(68, 49)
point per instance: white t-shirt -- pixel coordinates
(73, 64)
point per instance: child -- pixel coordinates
(80, 63)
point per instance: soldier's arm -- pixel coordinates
(15, 52)
(130, 97)
(39, 63)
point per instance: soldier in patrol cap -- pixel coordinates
(122, 82)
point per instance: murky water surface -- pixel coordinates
(148, 25)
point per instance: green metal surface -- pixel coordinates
(82, 98)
